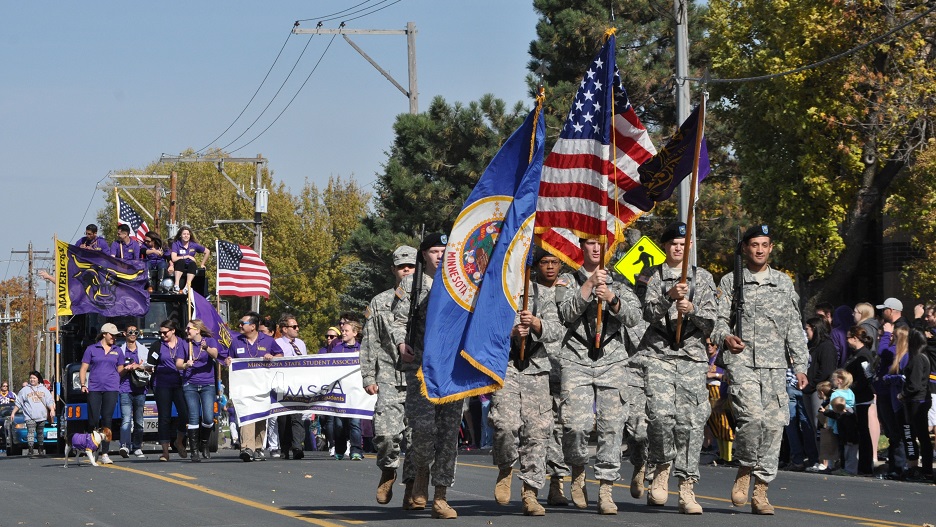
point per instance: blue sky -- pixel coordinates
(93, 87)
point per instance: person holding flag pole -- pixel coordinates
(679, 306)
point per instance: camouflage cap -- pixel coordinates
(404, 255)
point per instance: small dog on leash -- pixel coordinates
(87, 443)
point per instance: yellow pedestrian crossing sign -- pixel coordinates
(642, 255)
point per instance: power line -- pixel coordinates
(822, 62)
(290, 100)
(283, 85)
(321, 17)
(252, 97)
(372, 12)
(85, 215)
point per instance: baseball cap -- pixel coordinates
(404, 255)
(109, 328)
(892, 303)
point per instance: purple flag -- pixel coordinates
(660, 176)
(204, 311)
(94, 282)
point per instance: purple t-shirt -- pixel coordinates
(151, 257)
(126, 251)
(167, 375)
(191, 249)
(203, 372)
(241, 349)
(131, 356)
(99, 244)
(341, 347)
(102, 367)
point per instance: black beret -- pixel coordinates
(673, 231)
(538, 254)
(435, 239)
(756, 232)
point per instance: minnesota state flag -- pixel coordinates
(476, 291)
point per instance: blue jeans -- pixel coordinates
(199, 398)
(804, 450)
(344, 429)
(131, 413)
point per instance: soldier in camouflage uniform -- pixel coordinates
(772, 340)
(435, 426)
(677, 398)
(635, 428)
(379, 360)
(521, 411)
(594, 376)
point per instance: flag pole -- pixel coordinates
(690, 217)
(540, 99)
(604, 244)
(58, 335)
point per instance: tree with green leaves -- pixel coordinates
(821, 148)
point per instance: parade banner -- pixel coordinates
(327, 384)
(93, 282)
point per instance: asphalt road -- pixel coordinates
(329, 493)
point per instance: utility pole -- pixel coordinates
(30, 299)
(8, 321)
(412, 93)
(682, 105)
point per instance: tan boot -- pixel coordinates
(440, 507)
(385, 487)
(659, 488)
(637, 481)
(531, 506)
(605, 499)
(556, 495)
(687, 501)
(759, 503)
(742, 482)
(502, 487)
(579, 493)
(420, 489)
(408, 496)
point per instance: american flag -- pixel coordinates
(126, 215)
(593, 165)
(241, 272)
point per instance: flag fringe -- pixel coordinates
(481, 390)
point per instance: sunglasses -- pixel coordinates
(244, 323)
(329, 337)
(133, 332)
(161, 332)
(294, 326)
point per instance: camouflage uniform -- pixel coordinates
(379, 360)
(594, 378)
(635, 428)
(555, 459)
(435, 426)
(774, 340)
(521, 411)
(677, 398)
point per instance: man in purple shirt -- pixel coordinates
(253, 344)
(92, 241)
(125, 247)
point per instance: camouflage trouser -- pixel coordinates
(677, 408)
(521, 414)
(390, 429)
(435, 432)
(635, 428)
(555, 460)
(760, 404)
(584, 390)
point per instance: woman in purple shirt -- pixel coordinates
(184, 249)
(167, 386)
(99, 376)
(198, 378)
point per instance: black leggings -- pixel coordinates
(165, 397)
(915, 413)
(101, 412)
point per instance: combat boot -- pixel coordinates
(385, 487)
(556, 495)
(408, 496)
(420, 489)
(687, 501)
(659, 487)
(440, 507)
(759, 503)
(531, 506)
(637, 481)
(579, 493)
(32, 452)
(502, 487)
(742, 482)
(605, 499)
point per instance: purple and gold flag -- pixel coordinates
(93, 282)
